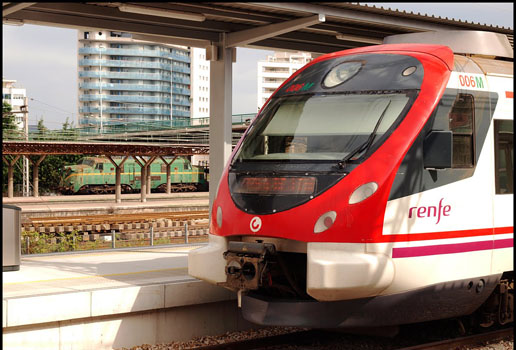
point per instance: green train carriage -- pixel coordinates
(96, 175)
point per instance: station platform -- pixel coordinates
(102, 204)
(111, 299)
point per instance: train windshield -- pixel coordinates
(88, 162)
(322, 126)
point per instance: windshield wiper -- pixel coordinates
(365, 146)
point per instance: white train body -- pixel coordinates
(415, 224)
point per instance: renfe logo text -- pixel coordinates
(430, 211)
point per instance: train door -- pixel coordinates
(99, 170)
(175, 170)
(188, 172)
(503, 149)
(156, 177)
(129, 174)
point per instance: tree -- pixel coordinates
(51, 171)
(42, 130)
(9, 127)
(68, 130)
(8, 118)
(67, 125)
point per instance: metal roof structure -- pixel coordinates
(98, 148)
(317, 27)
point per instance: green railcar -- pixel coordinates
(96, 175)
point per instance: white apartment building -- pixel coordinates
(15, 96)
(275, 70)
(124, 81)
(200, 88)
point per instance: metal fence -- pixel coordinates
(123, 130)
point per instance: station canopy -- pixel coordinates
(317, 27)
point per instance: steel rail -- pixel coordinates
(265, 342)
(470, 340)
(115, 218)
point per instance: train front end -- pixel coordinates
(301, 204)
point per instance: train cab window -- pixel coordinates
(99, 166)
(163, 168)
(461, 120)
(187, 166)
(504, 155)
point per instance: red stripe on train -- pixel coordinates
(408, 237)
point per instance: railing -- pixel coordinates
(181, 80)
(125, 110)
(132, 52)
(123, 128)
(125, 63)
(181, 91)
(126, 98)
(125, 75)
(125, 87)
(181, 69)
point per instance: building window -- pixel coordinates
(504, 155)
(462, 117)
(86, 35)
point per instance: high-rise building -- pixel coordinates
(122, 80)
(275, 70)
(15, 96)
(200, 90)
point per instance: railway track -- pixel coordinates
(317, 340)
(171, 224)
(472, 340)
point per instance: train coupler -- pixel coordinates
(246, 265)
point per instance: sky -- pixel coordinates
(43, 60)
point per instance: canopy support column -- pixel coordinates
(144, 168)
(168, 172)
(118, 177)
(10, 174)
(35, 173)
(221, 73)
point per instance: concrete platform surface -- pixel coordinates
(51, 288)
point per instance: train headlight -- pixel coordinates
(325, 221)
(362, 192)
(219, 217)
(341, 73)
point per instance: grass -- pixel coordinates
(41, 243)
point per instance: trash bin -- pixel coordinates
(11, 231)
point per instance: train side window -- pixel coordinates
(462, 117)
(504, 155)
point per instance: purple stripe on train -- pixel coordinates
(410, 252)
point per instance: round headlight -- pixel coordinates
(341, 73)
(219, 217)
(363, 192)
(325, 221)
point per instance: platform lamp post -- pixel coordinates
(100, 86)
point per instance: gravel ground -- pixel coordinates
(333, 341)
(501, 345)
(219, 339)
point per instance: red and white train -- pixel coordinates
(374, 188)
